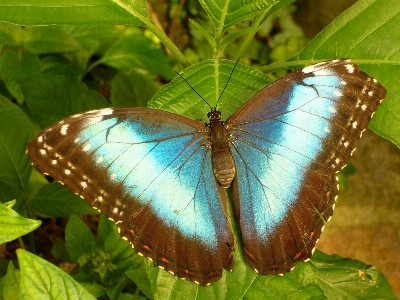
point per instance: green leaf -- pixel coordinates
(140, 278)
(225, 13)
(344, 278)
(178, 97)
(14, 65)
(51, 98)
(132, 89)
(60, 252)
(56, 200)
(9, 284)
(49, 40)
(8, 192)
(40, 279)
(71, 12)
(93, 288)
(205, 33)
(9, 34)
(15, 133)
(121, 251)
(365, 33)
(92, 40)
(79, 240)
(139, 53)
(325, 277)
(59, 65)
(12, 225)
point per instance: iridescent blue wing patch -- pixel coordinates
(288, 143)
(150, 171)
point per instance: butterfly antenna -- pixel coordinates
(230, 76)
(193, 89)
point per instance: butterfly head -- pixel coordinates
(214, 115)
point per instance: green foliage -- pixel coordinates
(50, 71)
(12, 224)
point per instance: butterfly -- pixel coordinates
(162, 177)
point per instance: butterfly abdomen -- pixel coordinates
(222, 160)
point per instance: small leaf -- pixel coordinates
(344, 278)
(56, 200)
(137, 52)
(9, 284)
(49, 40)
(43, 280)
(132, 89)
(51, 98)
(8, 192)
(12, 225)
(325, 277)
(79, 240)
(205, 33)
(9, 34)
(14, 65)
(227, 13)
(16, 130)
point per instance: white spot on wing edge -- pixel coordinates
(84, 184)
(104, 111)
(64, 129)
(350, 68)
(40, 139)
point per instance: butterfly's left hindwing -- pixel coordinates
(288, 143)
(150, 172)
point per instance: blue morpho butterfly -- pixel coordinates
(161, 176)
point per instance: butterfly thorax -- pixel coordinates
(222, 160)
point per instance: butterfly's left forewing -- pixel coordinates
(288, 143)
(150, 171)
